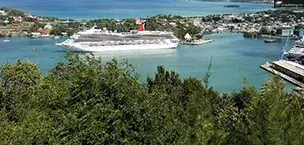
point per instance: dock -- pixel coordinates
(276, 37)
(197, 42)
(289, 71)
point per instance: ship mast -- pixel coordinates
(283, 50)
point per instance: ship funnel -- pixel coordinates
(142, 27)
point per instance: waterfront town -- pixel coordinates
(265, 23)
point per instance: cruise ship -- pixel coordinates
(96, 40)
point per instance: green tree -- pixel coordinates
(36, 26)
(19, 83)
(89, 101)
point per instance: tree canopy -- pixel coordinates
(89, 101)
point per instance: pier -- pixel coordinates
(289, 71)
(197, 42)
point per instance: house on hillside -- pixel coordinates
(2, 13)
(17, 19)
(39, 19)
(6, 21)
(173, 24)
(48, 26)
(28, 15)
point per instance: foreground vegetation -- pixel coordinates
(86, 101)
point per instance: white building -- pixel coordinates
(6, 21)
(28, 15)
(172, 24)
(48, 26)
(64, 33)
(187, 36)
(2, 13)
(45, 35)
(197, 22)
(17, 18)
(35, 34)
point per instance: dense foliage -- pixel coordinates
(12, 12)
(180, 29)
(300, 26)
(36, 26)
(59, 29)
(86, 101)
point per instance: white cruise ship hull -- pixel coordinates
(97, 40)
(87, 48)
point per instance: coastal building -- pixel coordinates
(2, 13)
(64, 33)
(44, 31)
(39, 19)
(17, 19)
(28, 15)
(173, 24)
(48, 26)
(266, 15)
(187, 37)
(64, 22)
(284, 31)
(220, 29)
(197, 22)
(6, 21)
(36, 34)
(252, 30)
(299, 33)
(45, 35)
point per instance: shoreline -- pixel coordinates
(210, 24)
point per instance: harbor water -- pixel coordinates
(234, 58)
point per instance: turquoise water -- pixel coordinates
(234, 57)
(92, 9)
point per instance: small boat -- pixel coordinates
(231, 6)
(6, 40)
(270, 40)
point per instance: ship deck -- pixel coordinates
(99, 38)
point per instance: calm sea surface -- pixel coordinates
(234, 57)
(91, 9)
